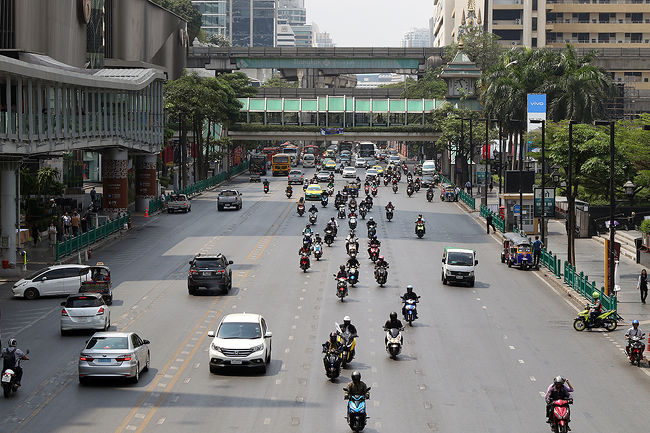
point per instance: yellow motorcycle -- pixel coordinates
(607, 319)
(347, 343)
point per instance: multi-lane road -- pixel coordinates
(477, 360)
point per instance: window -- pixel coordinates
(54, 274)
(637, 18)
(84, 302)
(603, 18)
(237, 330)
(108, 343)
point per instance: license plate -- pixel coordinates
(6, 378)
(206, 273)
(459, 277)
(235, 362)
(104, 360)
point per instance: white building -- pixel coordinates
(416, 38)
(322, 39)
(373, 81)
(286, 37)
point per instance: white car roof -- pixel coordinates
(242, 317)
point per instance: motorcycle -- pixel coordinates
(374, 191)
(417, 185)
(419, 230)
(366, 188)
(637, 346)
(386, 179)
(318, 250)
(304, 262)
(381, 275)
(409, 190)
(323, 200)
(395, 188)
(352, 206)
(266, 188)
(352, 222)
(409, 178)
(330, 190)
(608, 320)
(560, 419)
(306, 240)
(9, 381)
(289, 193)
(329, 236)
(369, 203)
(372, 231)
(410, 310)
(341, 213)
(301, 209)
(362, 211)
(313, 218)
(429, 195)
(341, 288)
(356, 412)
(352, 248)
(394, 341)
(332, 362)
(353, 276)
(374, 253)
(389, 214)
(348, 345)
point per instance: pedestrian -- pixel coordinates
(491, 186)
(93, 195)
(66, 224)
(642, 285)
(490, 223)
(35, 233)
(84, 224)
(468, 187)
(51, 234)
(537, 250)
(74, 223)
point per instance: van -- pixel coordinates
(394, 159)
(54, 280)
(458, 265)
(428, 168)
(308, 160)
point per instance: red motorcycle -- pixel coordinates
(304, 262)
(637, 346)
(341, 288)
(301, 209)
(374, 253)
(561, 415)
(374, 191)
(367, 189)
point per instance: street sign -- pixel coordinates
(480, 176)
(549, 202)
(516, 209)
(331, 131)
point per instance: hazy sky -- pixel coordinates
(368, 23)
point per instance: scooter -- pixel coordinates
(330, 190)
(353, 276)
(341, 213)
(318, 250)
(374, 191)
(374, 253)
(366, 188)
(394, 341)
(332, 362)
(389, 214)
(352, 206)
(362, 211)
(409, 190)
(561, 415)
(289, 193)
(341, 288)
(429, 195)
(386, 180)
(352, 222)
(637, 346)
(395, 188)
(410, 309)
(356, 413)
(329, 237)
(417, 185)
(348, 345)
(381, 275)
(9, 381)
(313, 218)
(266, 188)
(372, 231)
(419, 230)
(301, 209)
(304, 262)
(608, 320)
(323, 200)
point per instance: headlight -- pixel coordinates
(258, 348)
(448, 272)
(215, 347)
(471, 273)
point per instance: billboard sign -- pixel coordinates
(536, 109)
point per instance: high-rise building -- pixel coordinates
(304, 35)
(322, 39)
(416, 38)
(246, 23)
(293, 12)
(286, 37)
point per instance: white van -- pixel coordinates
(458, 265)
(54, 280)
(394, 159)
(428, 168)
(308, 160)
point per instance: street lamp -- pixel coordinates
(570, 200)
(543, 122)
(518, 124)
(629, 190)
(612, 201)
(487, 157)
(471, 155)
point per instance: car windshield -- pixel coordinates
(298, 172)
(83, 302)
(314, 188)
(228, 193)
(206, 263)
(460, 259)
(108, 343)
(243, 330)
(428, 165)
(37, 273)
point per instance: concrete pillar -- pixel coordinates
(8, 192)
(145, 181)
(115, 167)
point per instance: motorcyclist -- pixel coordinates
(420, 220)
(332, 345)
(353, 203)
(356, 387)
(596, 308)
(266, 183)
(353, 262)
(380, 263)
(307, 230)
(342, 273)
(289, 189)
(313, 208)
(390, 206)
(560, 389)
(317, 239)
(410, 294)
(373, 242)
(305, 248)
(348, 326)
(11, 357)
(301, 202)
(371, 223)
(351, 240)
(338, 198)
(634, 331)
(393, 322)
(332, 222)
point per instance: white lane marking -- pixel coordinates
(296, 317)
(287, 350)
(187, 379)
(484, 307)
(131, 427)
(139, 415)
(290, 337)
(197, 365)
(532, 379)
(511, 347)
(134, 307)
(478, 299)
(161, 421)
(521, 361)
(278, 381)
(542, 393)
(374, 369)
(267, 421)
(293, 326)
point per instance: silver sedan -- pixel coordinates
(114, 354)
(85, 311)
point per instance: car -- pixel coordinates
(54, 280)
(350, 172)
(241, 340)
(254, 177)
(370, 162)
(323, 176)
(329, 165)
(458, 265)
(380, 169)
(309, 160)
(313, 192)
(179, 202)
(114, 354)
(209, 272)
(394, 159)
(85, 311)
(360, 162)
(429, 167)
(427, 181)
(229, 198)
(295, 176)
(372, 175)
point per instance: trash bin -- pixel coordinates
(5, 264)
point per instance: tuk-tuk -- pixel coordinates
(99, 282)
(448, 192)
(517, 251)
(353, 189)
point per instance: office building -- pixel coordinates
(304, 35)
(416, 38)
(293, 12)
(322, 39)
(215, 16)
(286, 37)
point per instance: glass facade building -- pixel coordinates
(215, 16)
(246, 23)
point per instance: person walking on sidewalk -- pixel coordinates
(51, 234)
(66, 224)
(490, 223)
(35, 234)
(468, 187)
(537, 251)
(642, 285)
(74, 223)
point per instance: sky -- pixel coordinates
(368, 23)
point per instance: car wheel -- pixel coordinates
(146, 366)
(169, 211)
(30, 293)
(106, 326)
(219, 208)
(444, 280)
(136, 378)
(64, 333)
(191, 290)
(471, 283)
(83, 380)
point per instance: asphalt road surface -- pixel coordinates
(478, 359)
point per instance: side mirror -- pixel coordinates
(443, 260)
(63, 304)
(211, 334)
(146, 342)
(268, 334)
(230, 262)
(190, 262)
(476, 262)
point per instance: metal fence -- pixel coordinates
(498, 222)
(580, 283)
(74, 244)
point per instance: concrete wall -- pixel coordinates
(145, 32)
(51, 27)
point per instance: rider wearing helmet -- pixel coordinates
(381, 263)
(11, 357)
(342, 272)
(373, 242)
(410, 294)
(348, 326)
(420, 220)
(560, 389)
(332, 345)
(634, 331)
(390, 206)
(356, 387)
(596, 308)
(393, 322)
(371, 222)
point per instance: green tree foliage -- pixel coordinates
(240, 83)
(428, 86)
(218, 40)
(635, 143)
(278, 81)
(480, 46)
(187, 11)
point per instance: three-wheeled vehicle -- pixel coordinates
(99, 282)
(517, 251)
(448, 192)
(353, 189)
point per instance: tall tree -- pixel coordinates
(481, 47)
(278, 81)
(186, 10)
(219, 40)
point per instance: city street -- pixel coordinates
(477, 359)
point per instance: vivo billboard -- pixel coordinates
(536, 109)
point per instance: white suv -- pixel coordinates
(242, 340)
(458, 266)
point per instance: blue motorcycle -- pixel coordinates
(410, 311)
(353, 276)
(356, 415)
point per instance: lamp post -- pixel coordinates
(629, 190)
(462, 146)
(543, 122)
(517, 123)
(471, 155)
(500, 159)
(612, 202)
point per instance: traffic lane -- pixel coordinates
(47, 369)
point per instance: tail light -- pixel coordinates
(123, 358)
(86, 358)
(64, 312)
(100, 311)
(193, 272)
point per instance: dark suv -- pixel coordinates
(209, 271)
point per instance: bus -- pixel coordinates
(313, 149)
(367, 149)
(294, 152)
(281, 164)
(258, 163)
(346, 145)
(269, 152)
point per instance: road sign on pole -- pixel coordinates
(549, 202)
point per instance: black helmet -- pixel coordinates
(333, 337)
(356, 377)
(409, 288)
(393, 316)
(342, 267)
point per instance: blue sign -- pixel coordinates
(536, 103)
(331, 131)
(516, 209)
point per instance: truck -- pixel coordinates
(257, 166)
(345, 145)
(178, 203)
(229, 198)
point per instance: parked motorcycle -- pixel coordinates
(410, 310)
(560, 419)
(394, 341)
(356, 412)
(608, 320)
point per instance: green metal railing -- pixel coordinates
(551, 262)
(498, 222)
(72, 245)
(467, 199)
(580, 283)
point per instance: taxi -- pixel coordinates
(329, 165)
(380, 169)
(313, 192)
